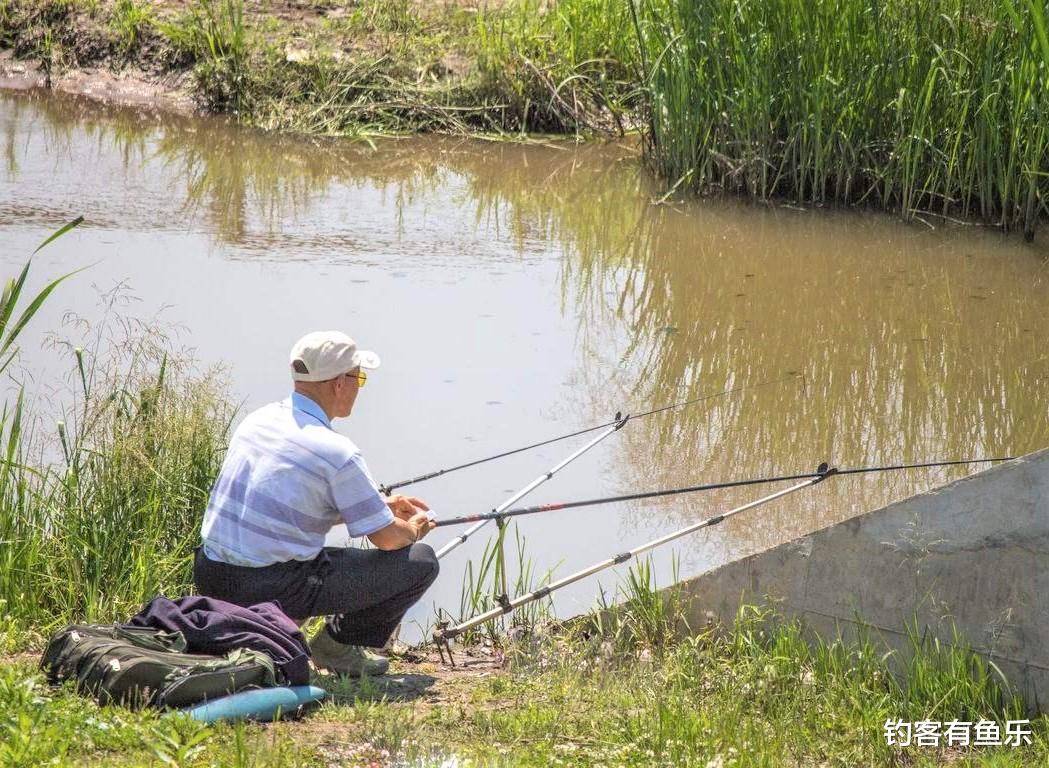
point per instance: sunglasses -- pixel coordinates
(361, 377)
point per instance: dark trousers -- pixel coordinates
(363, 592)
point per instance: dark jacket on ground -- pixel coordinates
(216, 627)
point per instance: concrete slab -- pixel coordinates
(971, 555)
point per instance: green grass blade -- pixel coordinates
(57, 234)
(9, 299)
(28, 313)
(1038, 19)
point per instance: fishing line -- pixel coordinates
(387, 489)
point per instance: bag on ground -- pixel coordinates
(139, 667)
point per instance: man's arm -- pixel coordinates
(401, 520)
(402, 533)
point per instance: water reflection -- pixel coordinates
(251, 189)
(907, 344)
(911, 345)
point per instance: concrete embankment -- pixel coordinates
(972, 555)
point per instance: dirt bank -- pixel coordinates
(331, 67)
(131, 87)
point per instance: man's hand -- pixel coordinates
(406, 507)
(422, 524)
(404, 530)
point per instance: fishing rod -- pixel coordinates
(614, 426)
(500, 514)
(444, 633)
(387, 489)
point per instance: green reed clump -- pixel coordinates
(644, 616)
(101, 514)
(212, 35)
(127, 24)
(920, 106)
(493, 577)
(560, 67)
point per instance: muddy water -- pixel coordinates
(517, 292)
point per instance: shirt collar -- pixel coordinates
(300, 402)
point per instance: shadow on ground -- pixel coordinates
(403, 687)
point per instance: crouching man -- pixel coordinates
(287, 479)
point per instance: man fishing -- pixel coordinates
(287, 479)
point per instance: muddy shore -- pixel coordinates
(128, 88)
(338, 67)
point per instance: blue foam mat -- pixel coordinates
(258, 704)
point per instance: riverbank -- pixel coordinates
(619, 692)
(911, 108)
(339, 67)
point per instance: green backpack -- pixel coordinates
(138, 667)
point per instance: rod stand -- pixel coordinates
(441, 640)
(500, 523)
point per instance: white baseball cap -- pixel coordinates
(323, 355)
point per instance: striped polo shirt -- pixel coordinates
(287, 478)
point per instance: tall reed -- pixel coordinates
(481, 588)
(932, 106)
(100, 513)
(212, 34)
(113, 520)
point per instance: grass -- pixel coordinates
(43, 726)
(211, 33)
(929, 106)
(631, 684)
(100, 513)
(127, 23)
(494, 577)
(502, 69)
(372, 67)
(113, 521)
(756, 694)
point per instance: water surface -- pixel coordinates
(518, 292)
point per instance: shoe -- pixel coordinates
(349, 660)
